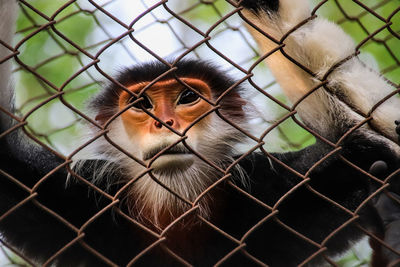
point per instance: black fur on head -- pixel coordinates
(269, 6)
(105, 103)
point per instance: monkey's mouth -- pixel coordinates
(175, 150)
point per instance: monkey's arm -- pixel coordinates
(348, 89)
(35, 200)
(19, 158)
(302, 189)
(38, 208)
(297, 195)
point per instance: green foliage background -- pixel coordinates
(56, 60)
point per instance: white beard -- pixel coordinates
(160, 196)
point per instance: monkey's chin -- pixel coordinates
(172, 162)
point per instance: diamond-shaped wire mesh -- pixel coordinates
(65, 50)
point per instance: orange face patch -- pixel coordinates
(169, 100)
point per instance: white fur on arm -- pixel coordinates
(319, 45)
(8, 11)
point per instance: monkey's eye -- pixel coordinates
(188, 97)
(145, 103)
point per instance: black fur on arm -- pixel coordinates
(269, 6)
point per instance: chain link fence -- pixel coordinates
(65, 50)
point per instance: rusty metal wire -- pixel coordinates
(197, 35)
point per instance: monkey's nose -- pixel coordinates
(159, 125)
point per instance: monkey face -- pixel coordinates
(161, 115)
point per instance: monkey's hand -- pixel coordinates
(388, 206)
(310, 54)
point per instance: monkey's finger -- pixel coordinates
(388, 208)
(378, 168)
(398, 129)
(389, 211)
